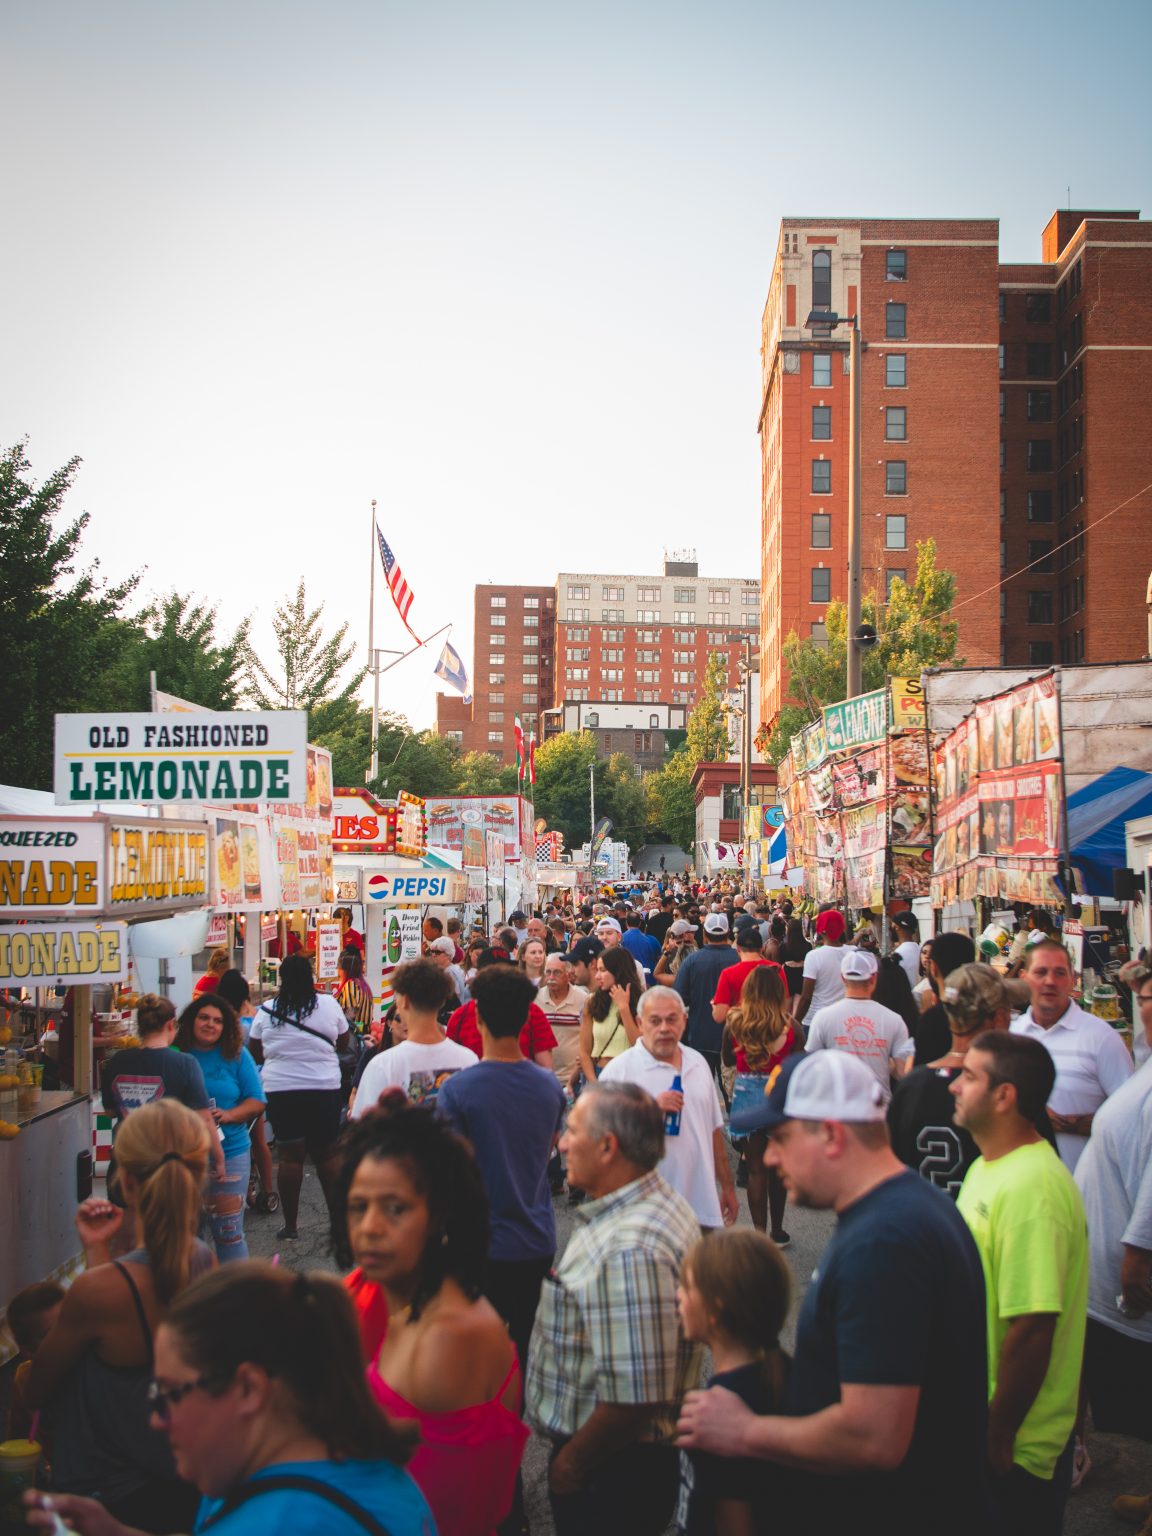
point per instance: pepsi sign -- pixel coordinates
(405, 888)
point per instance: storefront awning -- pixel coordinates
(1096, 817)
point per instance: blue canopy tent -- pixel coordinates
(1096, 817)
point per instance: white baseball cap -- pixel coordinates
(858, 965)
(608, 922)
(715, 922)
(828, 1085)
(442, 946)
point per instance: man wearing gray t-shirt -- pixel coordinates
(858, 1026)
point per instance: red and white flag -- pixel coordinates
(402, 593)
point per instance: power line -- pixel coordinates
(1003, 582)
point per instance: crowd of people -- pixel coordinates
(983, 1143)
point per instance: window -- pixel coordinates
(1003, 404)
(821, 370)
(647, 594)
(496, 679)
(648, 656)
(612, 594)
(531, 621)
(496, 641)
(681, 658)
(1039, 453)
(891, 575)
(654, 722)
(495, 698)
(614, 654)
(718, 637)
(1039, 607)
(1039, 405)
(896, 423)
(896, 370)
(577, 634)
(529, 677)
(1040, 554)
(821, 477)
(612, 674)
(683, 637)
(578, 613)
(1003, 454)
(1039, 506)
(611, 636)
(531, 642)
(718, 594)
(684, 594)
(821, 530)
(821, 585)
(683, 616)
(821, 279)
(580, 594)
(456, 736)
(718, 616)
(896, 266)
(682, 677)
(895, 477)
(576, 674)
(819, 634)
(531, 602)
(1000, 356)
(1003, 505)
(495, 735)
(495, 717)
(1039, 653)
(750, 597)
(499, 620)
(497, 601)
(1037, 306)
(1003, 308)
(648, 615)
(1039, 360)
(895, 531)
(821, 422)
(895, 321)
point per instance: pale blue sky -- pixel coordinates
(500, 266)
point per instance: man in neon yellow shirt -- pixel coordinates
(1025, 1212)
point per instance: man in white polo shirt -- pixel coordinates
(696, 1156)
(1091, 1058)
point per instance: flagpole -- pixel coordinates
(374, 763)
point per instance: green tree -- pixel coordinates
(480, 773)
(61, 632)
(708, 722)
(309, 665)
(175, 637)
(563, 766)
(620, 794)
(672, 801)
(915, 629)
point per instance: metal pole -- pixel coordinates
(374, 761)
(854, 523)
(591, 809)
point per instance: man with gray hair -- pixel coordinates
(608, 1366)
(695, 1151)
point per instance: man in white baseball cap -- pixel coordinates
(861, 1027)
(610, 934)
(888, 1389)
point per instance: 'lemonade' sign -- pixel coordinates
(257, 756)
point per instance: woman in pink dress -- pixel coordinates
(411, 1214)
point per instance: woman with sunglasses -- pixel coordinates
(260, 1390)
(410, 1211)
(90, 1376)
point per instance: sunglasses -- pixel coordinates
(162, 1400)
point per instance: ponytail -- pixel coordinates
(164, 1146)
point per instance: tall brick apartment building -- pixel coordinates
(514, 656)
(961, 359)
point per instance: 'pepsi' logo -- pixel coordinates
(378, 886)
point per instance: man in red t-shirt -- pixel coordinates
(537, 1041)
(731, 981)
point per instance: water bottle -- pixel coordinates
(672, 1116)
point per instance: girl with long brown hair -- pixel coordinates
(608, 1025)
(92, 1372)
(758, 1037)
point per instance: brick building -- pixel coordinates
(514, 649)
(647, 639)
(1076, 442)
(961, 356)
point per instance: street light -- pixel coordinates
(822, 322)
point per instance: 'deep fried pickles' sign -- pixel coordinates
(254, 757)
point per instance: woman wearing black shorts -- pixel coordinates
(295, 1036)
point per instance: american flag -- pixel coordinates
(401, 592)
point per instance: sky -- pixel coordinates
(498, 266)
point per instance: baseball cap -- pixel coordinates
(443, 946)
(679, 928)
(830, 924)
(747, 929)
(517, 916)
(583, 950)
(859, 965)
(906, 922)
(715, 922)
(830, 1085)
(608, 922)
(975, 992)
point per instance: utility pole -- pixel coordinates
(855, 529)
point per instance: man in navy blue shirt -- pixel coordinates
(512, 1116)
(641, 945)
(696, 983)
(887, 1395)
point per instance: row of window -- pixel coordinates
(498, 698)
(721, 596)
(895, 477)
(496, 679)
(895, 271)
(821, 585)
(500, 600)
(1039, 506)
(1037, 359)
(1039, 405)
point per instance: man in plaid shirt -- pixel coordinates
(608, 1365)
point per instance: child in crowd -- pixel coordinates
(31, 1314)
(733, 1296)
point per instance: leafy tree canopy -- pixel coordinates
(672, 801)
(708, 722)
(308, 666)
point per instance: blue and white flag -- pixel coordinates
(452, 669)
